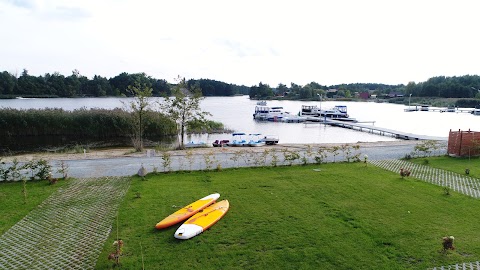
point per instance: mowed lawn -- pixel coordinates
(345, 216)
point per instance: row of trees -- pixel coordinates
(313, 89)
(77, 85)
(467, 86)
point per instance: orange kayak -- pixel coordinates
(203, 220)
(187, 211)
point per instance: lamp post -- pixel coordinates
(320, 98)
(409, 101)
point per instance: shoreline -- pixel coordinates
(122, 152)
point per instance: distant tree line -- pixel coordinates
(467, 86)
(76, 85)
(313, 90)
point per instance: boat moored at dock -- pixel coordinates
(269, 113)
(316, 114)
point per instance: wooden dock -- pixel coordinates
(381, 131)
(426, 108)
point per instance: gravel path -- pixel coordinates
(212, 158)
(67, 230)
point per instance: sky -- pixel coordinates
(244, 42)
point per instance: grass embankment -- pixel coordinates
(12, 201)
(346, 216)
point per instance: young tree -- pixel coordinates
(139, 107)
(184, 107)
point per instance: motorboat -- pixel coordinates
(266, 113)
(255, 140)
(338, 112)
(270, 139)
(238, 139)
(475, 112)
(448, 109)
(262, 103)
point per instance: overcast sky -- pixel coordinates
(244, 42)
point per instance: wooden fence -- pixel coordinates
(464, 143)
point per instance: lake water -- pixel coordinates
(236, 114)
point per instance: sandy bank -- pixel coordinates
(129, 152)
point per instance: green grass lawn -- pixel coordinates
(12, 203)
(346, 216)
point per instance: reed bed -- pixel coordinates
(81, 123)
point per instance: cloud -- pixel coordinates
(66, 13)
(52, 9)
(28, 4)
(247, 49)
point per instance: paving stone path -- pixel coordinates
(68, 229)
(461, 183)
(460, 266)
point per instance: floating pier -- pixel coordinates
(381, 131)
(426, 108)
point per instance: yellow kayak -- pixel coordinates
(203, 220)
(187, 211)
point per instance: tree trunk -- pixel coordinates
(182, 137)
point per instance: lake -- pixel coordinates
(236, 114)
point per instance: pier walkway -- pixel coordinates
(381, 131)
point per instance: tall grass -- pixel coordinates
(80, 123)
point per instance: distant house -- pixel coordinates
(331, 93)
(364, 95)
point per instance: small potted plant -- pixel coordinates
(447, 243)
